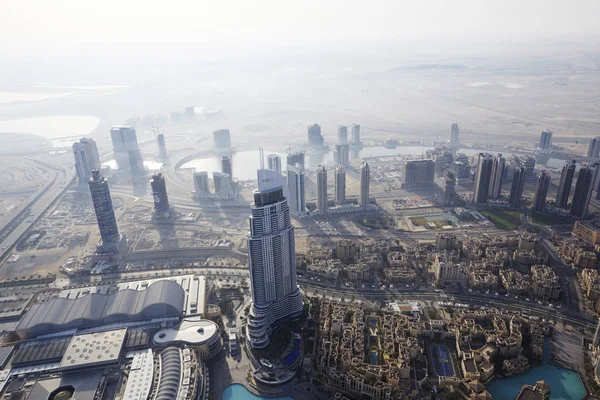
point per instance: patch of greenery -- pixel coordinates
(503, 218)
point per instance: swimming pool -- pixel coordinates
(239, 392)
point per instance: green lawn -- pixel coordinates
(503, 219)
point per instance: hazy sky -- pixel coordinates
(267, 22)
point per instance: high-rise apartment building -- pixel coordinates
(564, 186)
(454, 132)
(226, 166)
(356, 135)
(340, 185)
(342, 134)
(418, 173)
(497, 176)
(321, 189)
(162, 148)
(295, 180)
(315, 138)
(583, 190)
(222, 139)
(365, 182)
(276, 297)
(539, 200)
(124, 139)
(341, 154)
(201, 185)
(545, 141)
(87, 158)
(274, 163)
(136, 163)
(294, 158)
(594, 147)
(516, 190)
(483, 178)
(105, 213)
(222, 183)
(159, 193)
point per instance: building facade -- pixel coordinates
(497, 176)
(545, 141)
(315, 138)
(321, 189)
(87, 158)
(483, 178)
(105, 213)
(295, 180)
(418, 173)
(583, 191)
(340, 185)
(564, 186)
(541, 191)
(226, 166)
(356, 135)
(341, 154)
(222, 139)
(342, 134)
(159, 193)
(272, 263)
(516, 190)
(365, 181)
(274, 163)
(454, 133)
(594, 147)
(124, 139)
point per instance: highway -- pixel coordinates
(367, 294)
(55, 188)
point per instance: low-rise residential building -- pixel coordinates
(590, 283)
(545, 282)
(514, 282)
(590, 232)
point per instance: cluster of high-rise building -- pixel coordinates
(223, 187)
(586, 187)
(340, 188)
(316, 139)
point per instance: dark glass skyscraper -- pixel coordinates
(483, 178)
(105, 213)
(539, 201)
(516, 190)
(159, 192)
(564, 186)
(583, 191)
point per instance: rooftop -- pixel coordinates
(94, 348)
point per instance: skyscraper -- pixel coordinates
(356, 135)
(516, 190)
(539, 200)
(449, 187)
(136, 163)
(201, 182)
(222, 139)
(340, 185)
(545, 141)
(418, 173)
(226, 166)
(162, 148)
(315, 139)
(86, 158)
(321, 189)
(295, 177)
(342, 134)
(365, 180)
(159, 193)
(496, 177)
(483, 178)
(454, 132)
(583, 191)
(274, 163)
(222, 183)
(564, 186)
(294, 158)
(105, 213)
(594, 147)
(276, 297)
(124, 139)
(341, 154)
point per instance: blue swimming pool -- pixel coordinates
(239, 392)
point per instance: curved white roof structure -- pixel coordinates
(193, 331)
(161, 299)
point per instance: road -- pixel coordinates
(60, 182)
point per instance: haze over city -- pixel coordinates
(300, 200)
